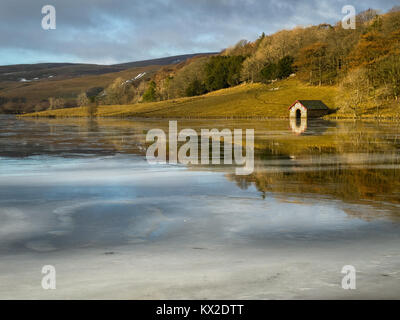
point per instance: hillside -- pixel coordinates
(23, 87)
(362, 63)
(67, 70)
(244, 101)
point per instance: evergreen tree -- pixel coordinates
(150, 94)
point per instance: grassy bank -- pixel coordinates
(388, 112)
(244, 101)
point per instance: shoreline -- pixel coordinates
(326, 118)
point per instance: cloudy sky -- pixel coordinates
(114, 31)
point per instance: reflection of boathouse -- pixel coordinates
(308, 109)
(304, 126)
(298, 125)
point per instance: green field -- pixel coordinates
(244, 101)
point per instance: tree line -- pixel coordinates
(364, 62)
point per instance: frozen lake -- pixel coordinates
(80, 195)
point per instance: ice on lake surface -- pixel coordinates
(80, 195)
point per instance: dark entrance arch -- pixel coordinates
(298, 114)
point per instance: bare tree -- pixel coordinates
(82, 99)
(354, 93)
(56, 103)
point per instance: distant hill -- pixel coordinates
(23, 86)
(29, 72)
(56, 70)
(163, 61)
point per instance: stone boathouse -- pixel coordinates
(308, 109)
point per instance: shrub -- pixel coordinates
(150, 94)
(196, 88)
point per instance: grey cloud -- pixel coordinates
(116, 31)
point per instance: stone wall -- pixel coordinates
(298, 106)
